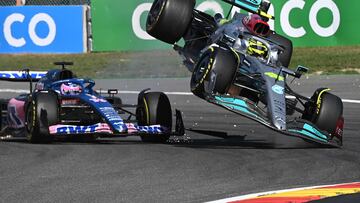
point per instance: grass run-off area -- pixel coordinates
(153, 64)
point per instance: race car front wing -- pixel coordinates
(105, 129)
(297, 127)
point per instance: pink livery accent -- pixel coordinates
(70, 89)
(104, 128)
(131, 128)
(16, 113)
(76, 129)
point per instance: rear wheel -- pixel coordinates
(218, 62)
(168, 20)
(41, 113)
(285, 56)
(325, 111)
(154, 109)
(115, 101)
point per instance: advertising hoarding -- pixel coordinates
(120, 25)
(42, 29)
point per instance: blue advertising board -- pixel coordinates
(42, 29)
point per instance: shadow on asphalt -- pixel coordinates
(239, 142)
(216, 140)
(211, 133)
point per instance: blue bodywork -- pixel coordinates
(113, 123)
(96, 101)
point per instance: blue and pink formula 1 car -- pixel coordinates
(62, 105)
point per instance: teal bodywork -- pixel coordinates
(241, 106)
(237, 104)
(310, 131)
(252, 5)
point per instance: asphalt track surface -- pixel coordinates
(222, 155)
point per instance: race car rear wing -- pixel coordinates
(22, 76)
(260, 7)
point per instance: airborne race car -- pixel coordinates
(242, 65)
(62, 105)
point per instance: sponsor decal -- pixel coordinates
(278, 89)
(33, 35)
(307, 23)
(110, 114)
(73, 129)
(98, 100)
(21, 75)
(105, 128)
(300, 31)
(69, 88)
(152, 129)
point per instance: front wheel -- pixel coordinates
(154, 109)
(214, 72)
(324, 111)
(285, 56)
(41, 113)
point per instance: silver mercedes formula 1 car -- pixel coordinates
(242, 65)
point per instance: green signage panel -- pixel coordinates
(120, 25)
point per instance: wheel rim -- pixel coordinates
(200, 70)
(155, 13)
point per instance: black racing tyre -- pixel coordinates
(220, 61)
(325, 111)
(3, 107)
(168, 20)
(41, 113)
(285, 57)
(154, 109)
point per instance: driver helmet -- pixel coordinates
(257, 48)
(69, 88)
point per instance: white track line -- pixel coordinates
(21, 91)
(14, 91)
(254, 195)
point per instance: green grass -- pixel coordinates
(324, 60)
(329, 60)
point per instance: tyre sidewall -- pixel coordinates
(154, 109)
(172, 21)
(327, 116)
(285, 56)
(44, 112)
(197, 81)
(221, 62)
